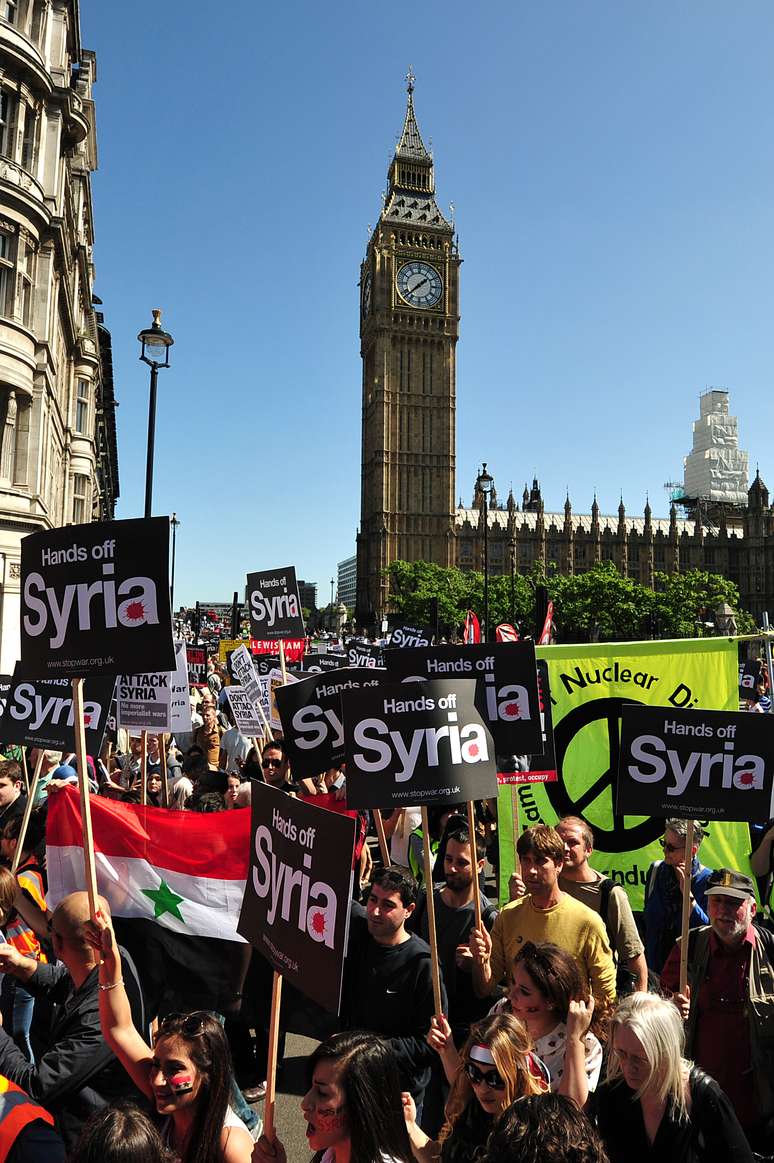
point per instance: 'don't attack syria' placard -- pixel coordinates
(39, 712)
(295, 910)
(95, 599)
(274, 605)
(416, 743)
(310, 713)
(506, 686)
(699, 765)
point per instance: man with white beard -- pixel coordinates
(728, 1006)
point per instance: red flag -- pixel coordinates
(505, 632)
(472, 629)
(548, 625)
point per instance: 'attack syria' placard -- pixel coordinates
(274, 604)
(95, 600)
(416, 743)
(296, 904)
(700, 765)
(506, 686)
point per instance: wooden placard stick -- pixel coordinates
(25, 771)
(28, 810)
(474, 862)
(271, 1065)
(283, 666)
(266, 726)
(431, 938)
(144, 767)
(90, 870)
(163, 749)
(686, 907)
(385, 851)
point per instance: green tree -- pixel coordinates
(683, 600)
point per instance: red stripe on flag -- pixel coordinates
(215, 845)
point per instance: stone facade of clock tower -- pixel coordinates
(409, 322)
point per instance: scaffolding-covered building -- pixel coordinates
(716, 469)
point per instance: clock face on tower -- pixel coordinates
(419, 284)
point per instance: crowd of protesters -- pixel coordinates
(564, 1034)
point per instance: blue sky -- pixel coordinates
(612, 171)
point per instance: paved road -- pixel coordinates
(291, 1087)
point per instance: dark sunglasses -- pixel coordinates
(490, 1078)
(271, 762)
(190, 1025)
(672, 847)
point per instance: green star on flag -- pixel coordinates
(164, 901)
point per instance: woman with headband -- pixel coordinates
(496, 1067)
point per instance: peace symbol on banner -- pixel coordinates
(587, 743)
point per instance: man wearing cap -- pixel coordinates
(729, 1004)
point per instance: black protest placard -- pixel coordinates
(39, 712)
(363, 653)
(296, 903)
(420, 743)
(310, 713)
(274, 604)
(506, 686)
(196, 657)
(5, 687)
(404, 637)
(95, 599)
(749, 677)
(697, 765)
(246, 717)
(316, 663)
(265, 663)
(540, 768)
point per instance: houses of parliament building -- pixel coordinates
(409, 325)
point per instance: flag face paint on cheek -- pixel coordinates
(181, 1083)
(329, 1119)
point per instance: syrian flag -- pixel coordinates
(472, 629)
(548, 626)
(505, 632)
(183, 870)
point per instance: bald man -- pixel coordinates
(76, 1073)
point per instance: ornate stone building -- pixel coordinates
(409, 321)
(58, 453)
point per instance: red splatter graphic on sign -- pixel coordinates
(135, 611)
(473, 749)
(746, 777)
(318, 922)
(512, 710)
(87, 720)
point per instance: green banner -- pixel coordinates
(588, 686)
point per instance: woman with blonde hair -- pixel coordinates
(496, 1067)
(655, 1104)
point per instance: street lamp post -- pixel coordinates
(485, 483)
(513, 581)
(174, 523)
(155, 352)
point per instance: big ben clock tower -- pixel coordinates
(409, 317)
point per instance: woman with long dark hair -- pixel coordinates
(353, 1108)
(186, 1075)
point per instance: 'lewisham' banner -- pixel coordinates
(589, 685)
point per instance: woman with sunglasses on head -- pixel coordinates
(548, 995)
(187, 1073)
(353, 1108)
(496, 1067)
(656, 1105)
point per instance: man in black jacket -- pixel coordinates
(388, 985)
(77, 1072)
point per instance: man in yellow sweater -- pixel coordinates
(546, 914)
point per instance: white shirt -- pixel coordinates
(399, 841)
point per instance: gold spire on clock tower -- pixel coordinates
(409, 318)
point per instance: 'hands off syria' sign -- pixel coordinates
(296, 904)
(95, 600)
(705, 765)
